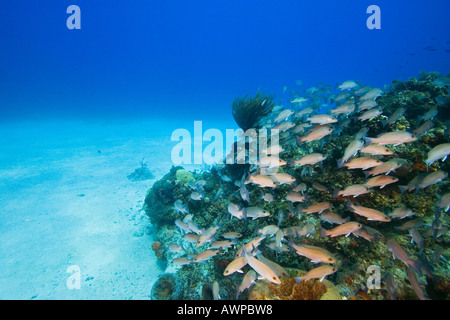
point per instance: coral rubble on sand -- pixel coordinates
(374, 187)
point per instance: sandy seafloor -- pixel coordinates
(65, 199)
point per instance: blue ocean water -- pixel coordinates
(193, 57)
(79, 109)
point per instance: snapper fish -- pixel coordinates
(284, 126)
(283, 178)
(181, 207)
(317, 273)
(372, 94)
(283, 115)
(401, 213)
(315, 134)
(428, 115)
(369, 213)
(376, 149)
(352, 150)
(256, 212)
(248, 280)
(343, 109)
(298, 231)
(394, 137)
(261, 180)
(400, 253)
(444, 202)
(370, 114)
(310, 159)
(380, 181)
(181, 261)
(322, 119)
(353, 190)
(296, 197)
(440, 152)
(367, 104)
(304, 112)
(231, 235)
(427, 125)
(235, 266)
(398, 113)
(363, 163)
(346, 228)
(432, 178)
(261, 268)
(236, 211)
(385, 168)
(205, 255)
(347, 85)
(317, 208)
(333, 218)
(315, 254)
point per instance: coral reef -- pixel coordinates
(167, 287)
(142, 173)
(289, 289)
(222, 185)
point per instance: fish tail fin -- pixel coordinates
(368, 140)
(306, 198)
(323, 232)
(335, 193)
(340, 163)
(402, 189)
(367, 174)
(298, 279)
(237, 292)
(384, 123)
(417, 266)
(348, 204)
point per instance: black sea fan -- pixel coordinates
(248, 111)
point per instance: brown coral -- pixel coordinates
(290, 290)
(157, 248)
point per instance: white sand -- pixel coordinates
(48, 225)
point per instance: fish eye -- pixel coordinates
(329, 259)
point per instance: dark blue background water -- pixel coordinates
(191, 58)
